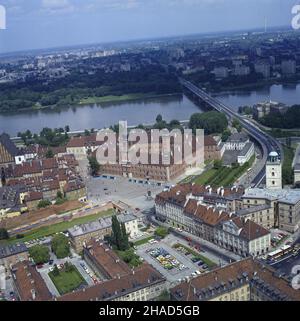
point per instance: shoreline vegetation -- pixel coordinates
(93, 100)
(251, 86)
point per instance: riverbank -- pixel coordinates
(220, 90)
(123, 98)
(95, 101)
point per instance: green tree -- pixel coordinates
(44, 203)
(159, 118)
(49, 153)
(119, 237)
(3, 234)
(212, 122)
(39, 253)
(116, 235)
(55, 271)
(237, 125)
(60, 246)
(217, 164)
(161, 232)
(225, 135)
(94, 165)
(69, 267)
(59, 194)
(125, 239)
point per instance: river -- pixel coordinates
(136, 112)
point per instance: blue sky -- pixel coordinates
(35, 24)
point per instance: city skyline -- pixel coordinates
(55, 23)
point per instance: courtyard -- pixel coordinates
(67, 279)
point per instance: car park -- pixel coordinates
(165, 259)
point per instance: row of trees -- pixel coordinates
(212, 122)
(59, 245)
(47, 137)
(119, 237)
(291, 119)
(77, 86)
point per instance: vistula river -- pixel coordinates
(137, 112)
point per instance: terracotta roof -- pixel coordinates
(211, 216)
(107, 260)
(142, 277)
(84, 141)
(209, 141)
(34, 196)
(30, 285)
(181, 191)
(221, 280)
(249, 229)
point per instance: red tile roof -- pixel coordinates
(29, 283)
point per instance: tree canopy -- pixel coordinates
(119, 237)
(60, 246)
(3, 234)
(212, 122)
(40, 254)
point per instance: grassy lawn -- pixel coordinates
(236, 173)
(56, 228)
(111, 98)
(224, 176)
(129, 257)
(207, 261)
(206, 177)
(143, 241)
(66, 282)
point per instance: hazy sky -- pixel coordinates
(50, 23)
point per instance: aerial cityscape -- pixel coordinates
(140, 165)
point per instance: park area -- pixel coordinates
(223, 175)
(67, 280)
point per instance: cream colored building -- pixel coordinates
(260, 214)
(284, 205)
(273, 172)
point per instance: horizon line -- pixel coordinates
(136, 40)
